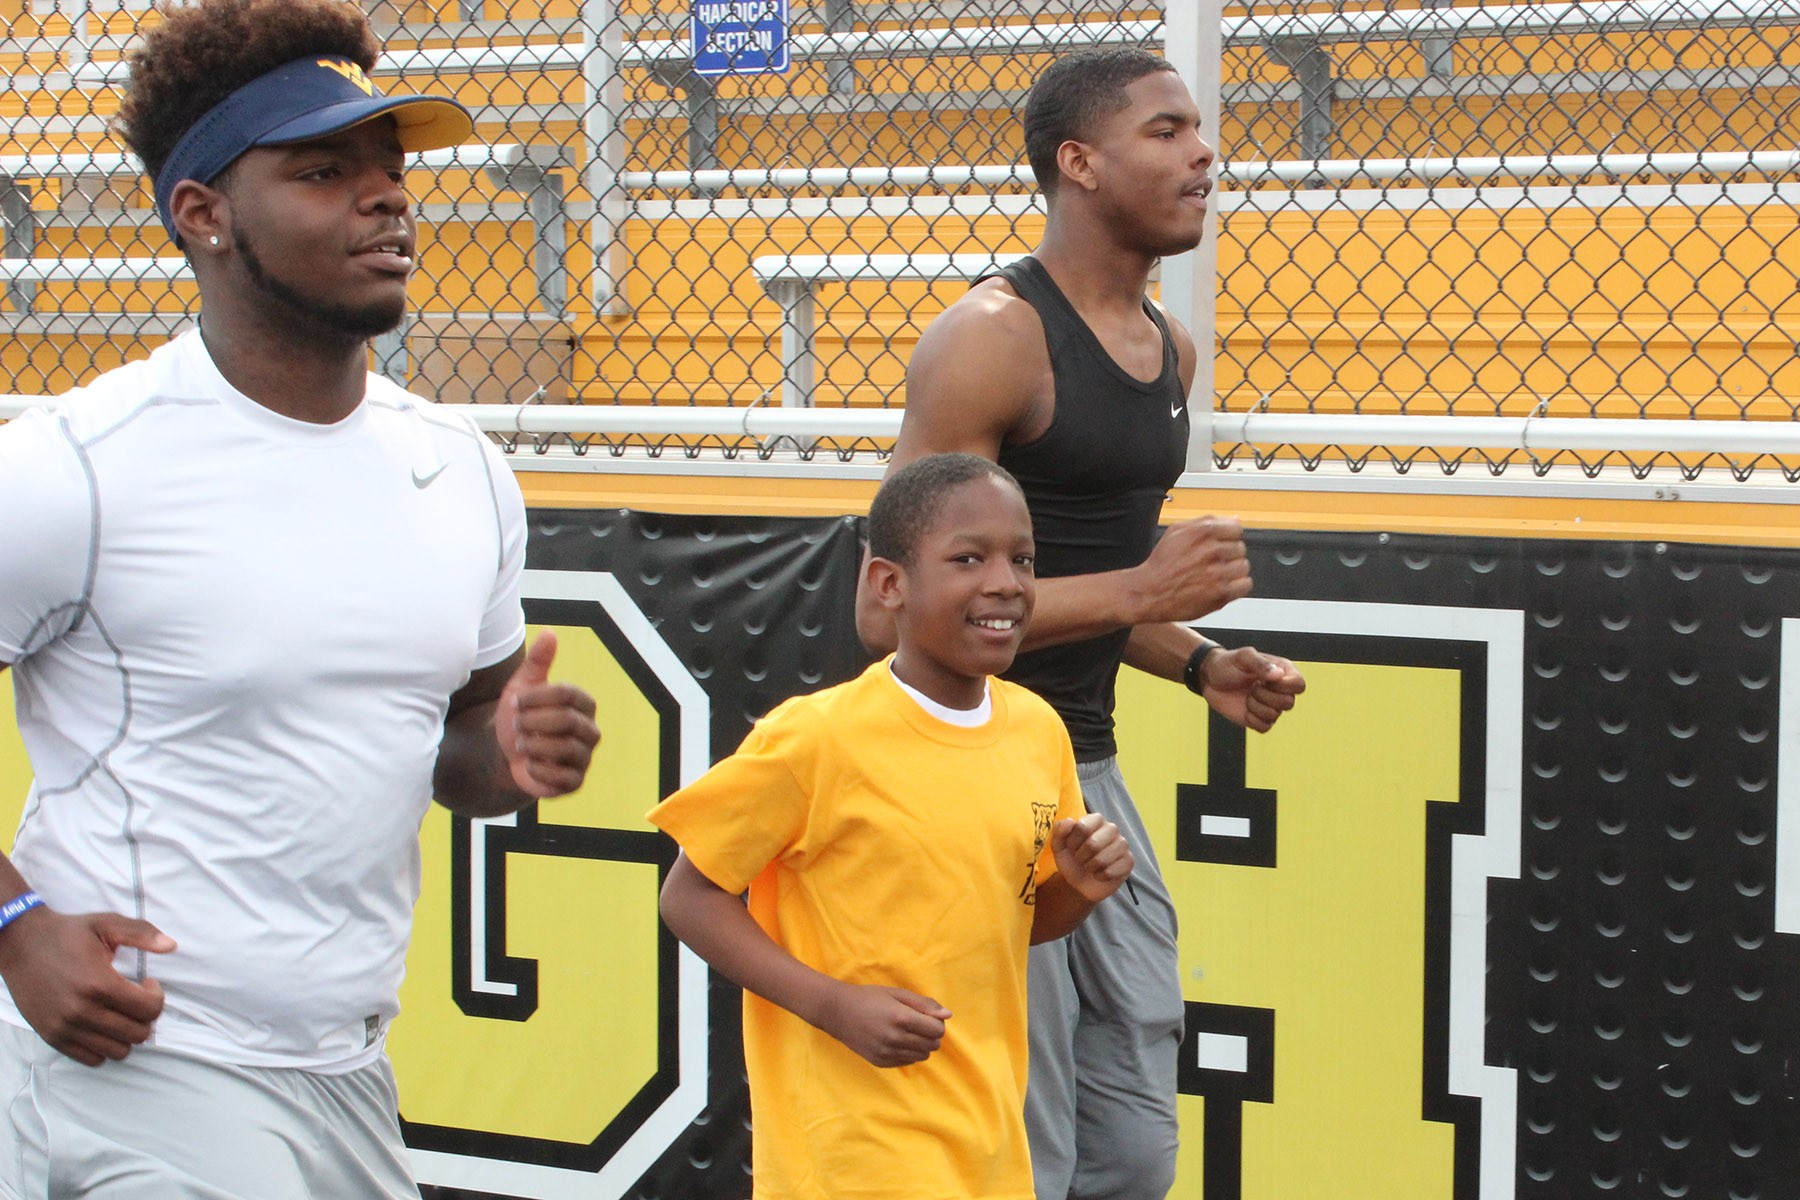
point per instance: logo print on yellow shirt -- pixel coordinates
(1043, 816)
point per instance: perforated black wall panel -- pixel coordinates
(1636, 980)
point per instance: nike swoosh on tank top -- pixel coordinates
(1095, 482)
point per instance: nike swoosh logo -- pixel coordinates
(1175, 409)
(425, 481)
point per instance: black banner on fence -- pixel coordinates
(1496, 912)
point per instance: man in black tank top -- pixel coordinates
(1062, 369)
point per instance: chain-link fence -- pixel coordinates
(1628, 248)
(1545, 210)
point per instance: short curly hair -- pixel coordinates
(908, 501)
(201, 53)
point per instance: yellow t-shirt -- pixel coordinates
(883, 846)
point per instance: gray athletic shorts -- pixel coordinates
(159, 1126)
(1106, 1024)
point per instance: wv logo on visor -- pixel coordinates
(350, 71)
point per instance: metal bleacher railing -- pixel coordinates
(770, 430)
(734, 260)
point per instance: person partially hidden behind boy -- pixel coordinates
(904, 838)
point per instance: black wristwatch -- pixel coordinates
(1190, 674)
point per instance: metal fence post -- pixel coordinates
(1194, 43)
(537, 175)
(840, 17)
(550, 249)
(77, 52)
(602, 46)
(1312, 67)
(390, 352)
(701, 100)
(1438, 52)
(20, 225)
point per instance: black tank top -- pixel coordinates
(1095, 482)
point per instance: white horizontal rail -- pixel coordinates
(685, 422)
(1598, 16)
(844, 268)
(1515, 20)
(57, 163)
(990, 175)
(1245, 174)
(91, 270)
(64, 163)
(646, 54)
(1525, 434)
(873, 44)
(1512, 166)
(645, 419)
(797, 178)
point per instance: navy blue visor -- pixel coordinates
(308, 98)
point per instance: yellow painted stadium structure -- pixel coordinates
(1430, 306)
(1478, 311)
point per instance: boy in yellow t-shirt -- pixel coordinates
(904, 837)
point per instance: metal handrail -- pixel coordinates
(1524, 434)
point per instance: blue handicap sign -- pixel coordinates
(740, 37)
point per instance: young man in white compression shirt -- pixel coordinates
(259, 606)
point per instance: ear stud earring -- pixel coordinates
(214, 239)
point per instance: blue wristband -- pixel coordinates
(18, 906)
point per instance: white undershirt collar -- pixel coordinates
(966, 718)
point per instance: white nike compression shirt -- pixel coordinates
(234, 637)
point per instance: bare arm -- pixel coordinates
(1196, 568)
(889, 1027)
(1092, 861)
(512, 737)
(1162, 650)
(59, 969)
(964, 397)
(1060, 908)
(1248, 688)
(979, 378)
(1245, 686)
